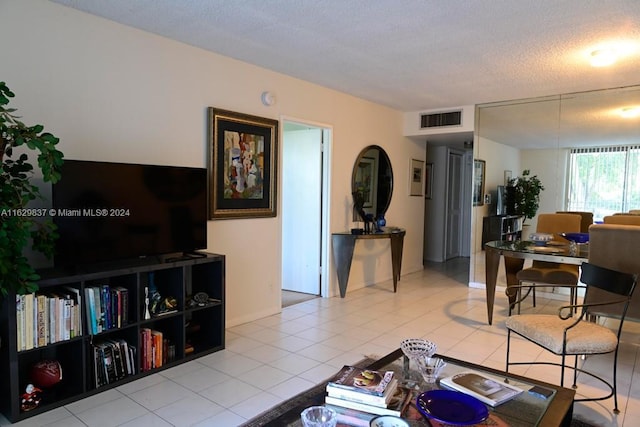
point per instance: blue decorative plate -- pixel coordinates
(576, 237)
(452, 407)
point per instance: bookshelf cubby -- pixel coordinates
(198, 326)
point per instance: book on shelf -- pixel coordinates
(28, 322)
(77, 301)
(483, 388)
(146, 343)
(113, 360)
(156, 342)
(92, 319)
(361, 380)
(369, 399)
(20, 322)
(397, 405)
(42, 318)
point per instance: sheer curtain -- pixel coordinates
(604, 180)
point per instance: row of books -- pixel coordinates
(366, 390)
(45, 318)
(107, 307)
(113, 361)
(156, 349)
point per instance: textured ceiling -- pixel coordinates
(407, 54)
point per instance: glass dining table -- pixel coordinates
(516, 252)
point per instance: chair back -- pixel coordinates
(585, 222)
(613, 281)
(617, 247)
(554, 223)
(622, 219)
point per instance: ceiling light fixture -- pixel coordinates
(603, 57)
(630, 112)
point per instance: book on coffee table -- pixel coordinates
(398, 403)
(361, 380)
(369, 399)
(481, 387)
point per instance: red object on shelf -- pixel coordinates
(46, 373)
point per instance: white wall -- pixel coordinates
(498, 158)
(551, 168)
(115, 93)
(435, 209)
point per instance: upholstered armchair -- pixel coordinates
(626, 219)
(617, 246)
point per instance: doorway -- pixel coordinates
(304, 209)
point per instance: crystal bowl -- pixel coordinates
(417, 347)
(540, 239)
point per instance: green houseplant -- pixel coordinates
(21, 228)
(523, 195)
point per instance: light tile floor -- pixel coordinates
(272, 359)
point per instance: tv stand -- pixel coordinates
(186, 256)
(187, 330)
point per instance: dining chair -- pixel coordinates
(586, 219)
(571, 332)
(551, 273)
(628, 219)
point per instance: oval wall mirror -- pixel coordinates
(372, 179)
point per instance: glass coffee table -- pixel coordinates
(526, 409)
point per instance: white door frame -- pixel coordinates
(327, 138)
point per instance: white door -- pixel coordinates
(455, 205)
(301, 209)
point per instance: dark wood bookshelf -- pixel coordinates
(177, 277)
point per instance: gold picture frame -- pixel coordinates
(243, 152)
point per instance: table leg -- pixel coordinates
(397, 242)
(343, 246)
(492, 262)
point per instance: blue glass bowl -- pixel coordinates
(451, 407)
(576, 237)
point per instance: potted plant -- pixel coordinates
(523, 195)
(22, 228)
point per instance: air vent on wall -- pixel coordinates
(434, 120)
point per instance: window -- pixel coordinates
(604, 180)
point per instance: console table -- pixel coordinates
(344, 244)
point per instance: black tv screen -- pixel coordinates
(115, 211)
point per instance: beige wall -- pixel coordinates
(114, 93)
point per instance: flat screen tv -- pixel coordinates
(116, 211)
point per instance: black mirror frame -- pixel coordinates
(383, 186)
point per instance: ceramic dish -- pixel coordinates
(576, 237)
(388, 421)
(452, 407)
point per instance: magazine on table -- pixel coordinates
(481, 387)
(362, 380)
